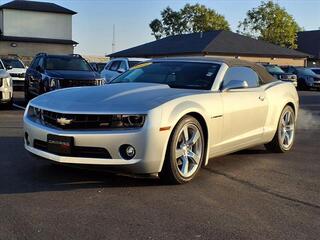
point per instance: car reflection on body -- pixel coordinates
(165, 116)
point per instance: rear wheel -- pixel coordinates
(284, 137)
(185, 152)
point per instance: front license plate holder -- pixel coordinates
(60, 145)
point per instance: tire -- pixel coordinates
(184, 168)
(284, 137)
(302, 85)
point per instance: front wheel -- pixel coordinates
(284, 137)
(185, 152)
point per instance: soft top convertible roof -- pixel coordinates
(265, 76)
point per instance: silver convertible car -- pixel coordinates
(166, 116)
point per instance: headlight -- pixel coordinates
(100, 81)
(54, 83)
(311, 79)
(128, 121)
(34, 113)
(7, 82)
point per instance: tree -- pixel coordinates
(189, 19)
(271, 23)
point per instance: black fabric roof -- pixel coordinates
(36, 40)
(213, 42)
(265, 76)
(309, 42)
(36, 6)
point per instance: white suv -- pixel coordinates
(16, 69)
(6, 89)
(119, 65)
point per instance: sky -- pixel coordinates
(93, 25)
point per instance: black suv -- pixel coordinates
(50, 72)
(307, 79)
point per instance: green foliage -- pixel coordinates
(189, 19)
(271, 23)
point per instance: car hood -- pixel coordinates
(78, 75)
(17, 70)
(4, 73)
(111, 98)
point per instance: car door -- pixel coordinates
(37, 77)
(31, 75)
(244, 110)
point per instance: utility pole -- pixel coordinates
(114, 39)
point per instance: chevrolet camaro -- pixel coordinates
(166, 116)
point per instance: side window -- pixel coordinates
(114, 66)
(40, 63)
(34, 63)
(242, 73)
(123, 65)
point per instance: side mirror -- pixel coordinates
(8, 67)
(39, 69)
(121, 70)
(235, 84)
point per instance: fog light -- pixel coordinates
(127, 151)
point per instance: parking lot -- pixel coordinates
(247, 195)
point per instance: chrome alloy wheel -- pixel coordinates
(287, 129)
(188, 151)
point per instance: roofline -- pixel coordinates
(35, 10)
(66, 10)
(36, 40)
(304, 55)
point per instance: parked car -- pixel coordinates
(98, 66)
(315, 70)
(117, 66)
(307, 79)
(278, 73)
(166, 116)
(6, 89)
(51, 72)
(17, 70)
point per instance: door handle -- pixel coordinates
(261, 98)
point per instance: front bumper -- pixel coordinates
(314, 84)
(147, 141)
(18, 82)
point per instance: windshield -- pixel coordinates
(14, 63)
(190, 75)
(316, 71)
(273, 69)
(67, 63)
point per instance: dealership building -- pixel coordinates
(218, 43)
(29, 27)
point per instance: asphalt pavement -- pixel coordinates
(250, 194)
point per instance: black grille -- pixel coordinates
(76, 121)
(18, 75)
(77, 83)
(86, 152)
